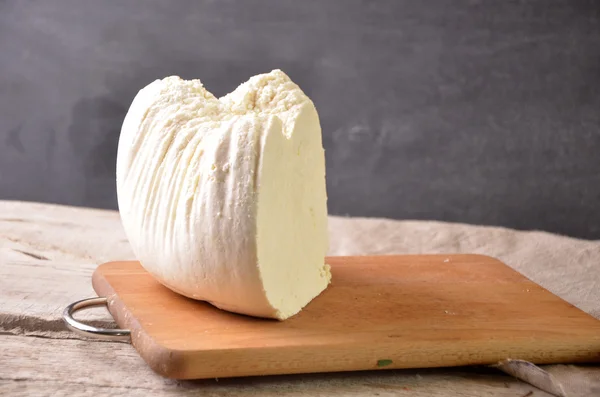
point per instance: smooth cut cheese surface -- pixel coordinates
(224, 200)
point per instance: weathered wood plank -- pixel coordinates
(53, 388)
(30, 388)
(61, 233)
(48, 253)
(47, 256)
(80, 368)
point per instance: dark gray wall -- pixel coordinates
(484, 112)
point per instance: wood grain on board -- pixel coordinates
(380, 312)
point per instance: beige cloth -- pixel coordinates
(56, 245)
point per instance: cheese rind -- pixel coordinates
(224, 200)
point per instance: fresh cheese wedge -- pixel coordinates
(224, 200)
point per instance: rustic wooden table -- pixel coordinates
(48, 253)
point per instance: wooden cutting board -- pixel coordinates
(380, 312)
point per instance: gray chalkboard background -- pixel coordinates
(484, 112)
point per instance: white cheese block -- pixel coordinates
(224, 200)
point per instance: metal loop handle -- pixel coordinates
(88, 330)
